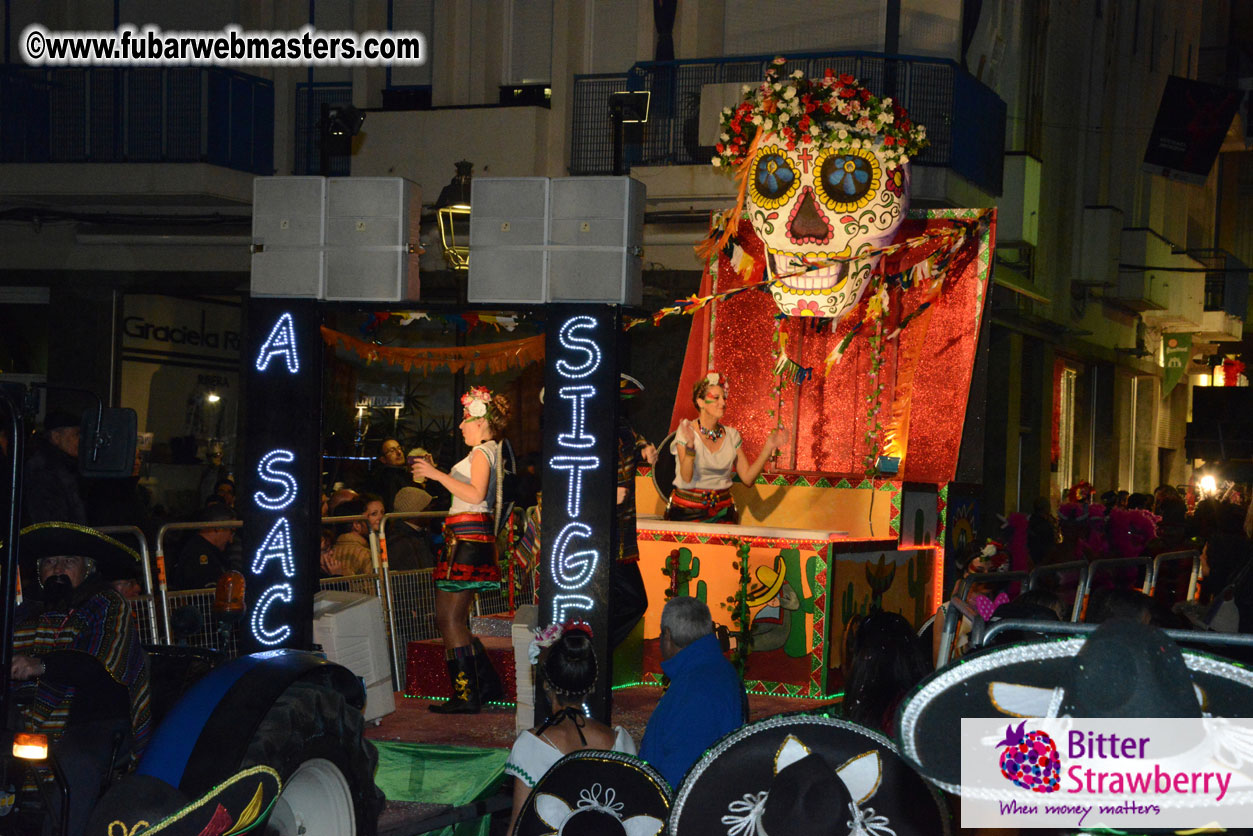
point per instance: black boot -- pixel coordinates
(465, 683)
(490, 687)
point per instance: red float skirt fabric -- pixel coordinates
(470, 559)
(697, 505)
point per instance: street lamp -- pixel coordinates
(452, 211)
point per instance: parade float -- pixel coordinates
(833, 310)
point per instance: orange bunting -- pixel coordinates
(489, 358)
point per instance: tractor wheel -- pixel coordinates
(313, 738)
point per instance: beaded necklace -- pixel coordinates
(713, 435)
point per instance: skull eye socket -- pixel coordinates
(774, 178)
(848, 179)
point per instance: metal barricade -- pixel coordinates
(408, 598)
(412, 614)
(144, 607)
(1216, 640)
(370, 584)
(193, 602)
(953, 615)
(1079, 566)
(1190, 555)
(196, 625)
(1111, 563)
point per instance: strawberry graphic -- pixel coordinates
(1030, 759)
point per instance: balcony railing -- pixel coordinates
(1227, 285)
(137, 115)
(965, 120)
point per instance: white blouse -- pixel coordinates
(532, 756)
(712, 470)
(461, 472)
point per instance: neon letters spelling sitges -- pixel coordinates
(573, 564)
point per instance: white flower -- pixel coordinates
(713, 378)
(724, 137)
(784, 116)
(477, 409)
(717, 161)
(745, 88)
(790, 92)
(798, 74)
(756, 118)
(843, 134)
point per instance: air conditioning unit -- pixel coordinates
(350, 628)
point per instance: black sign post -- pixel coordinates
(279, 502)
(580, 477)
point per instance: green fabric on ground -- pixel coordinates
(452, 775)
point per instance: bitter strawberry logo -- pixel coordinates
(1030, 759)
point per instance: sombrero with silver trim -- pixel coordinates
(803, 774)
(240, 804)
(1122, 669)
(596, 792)
(113, 559)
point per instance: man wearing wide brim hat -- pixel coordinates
(78, 653)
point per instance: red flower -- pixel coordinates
(826, 107)
(804, 123)
(847, 93)
(828, 73)
(864, 93)
(895, 182)
(720, 148)
(889, 141)
(845, 78)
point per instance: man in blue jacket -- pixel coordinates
(705, 699)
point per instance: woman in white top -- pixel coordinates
(707, 454)
(469, 562)
(567, 673)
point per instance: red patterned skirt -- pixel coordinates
(698, 505)
(471, 554)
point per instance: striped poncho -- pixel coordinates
(99, 624)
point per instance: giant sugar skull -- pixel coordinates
(826, 166)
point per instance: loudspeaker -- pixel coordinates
(288, 234)
(508, 234)
(370, 224)
(596, 236)
(570, 239)
(108, 451)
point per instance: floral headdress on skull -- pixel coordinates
(477, 403)
(836, 111)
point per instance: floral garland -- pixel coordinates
(837, 111)
(476, 403)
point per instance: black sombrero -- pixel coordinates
(1122, 669)
(596, 792)
(240, 804)
(802, 773)
(113, 560)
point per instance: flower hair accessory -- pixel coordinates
(548, 636)
(715, 379)
(476, 403)
(835, 110)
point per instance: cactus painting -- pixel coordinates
(682, 567)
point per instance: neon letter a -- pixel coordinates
(282, 340)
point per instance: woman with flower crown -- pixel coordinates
(707, 454)
(469, 563)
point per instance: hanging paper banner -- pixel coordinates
(490, 358)
(1177, 350)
